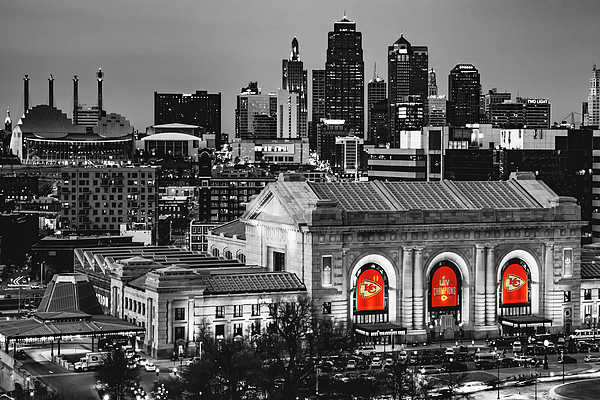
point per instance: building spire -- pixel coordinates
(295, 54)
(374, 71)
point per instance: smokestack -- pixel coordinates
(26, 94)
(51, 91)
(100, 77)
(75, 99)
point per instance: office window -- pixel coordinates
(179, 332)
(180, 314)
(327, 307)
(220, 331)
(587, 310)
(220, 312)
(587, 294)
(238, 310)
(238, 329)
(255, 310)
(327, 272)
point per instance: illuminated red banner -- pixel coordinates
(370, 291)
(444, 288)
(514, 285)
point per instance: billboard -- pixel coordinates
(514, 284)
(370, 291)
(444, 288)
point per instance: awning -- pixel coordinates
(380, 330)
(525, 321)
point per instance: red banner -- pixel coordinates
(514, 285)
(444, 288)
(370, 291)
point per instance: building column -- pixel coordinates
(479, 286)
(418, 289)
(407, 290)
(490, 286)
(548, 282)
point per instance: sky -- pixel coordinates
(533, 48)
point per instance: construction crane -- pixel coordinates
(564, 122)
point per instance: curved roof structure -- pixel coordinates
(113, 125)
(170, 136)
(70, 292)
(48, 122)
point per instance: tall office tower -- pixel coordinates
(294, 79)
(464, 90)
(593, 108)
(200, 108)
(432, 89)
(288, 110)
(344, 76)
(493, 97)
(317, 105)
(436, 110)
(376, 93)
(256, 114)
(537, 113)
(408, 87)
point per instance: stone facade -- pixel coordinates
(327, 245)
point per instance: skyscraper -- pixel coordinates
(200, 108)
(593, 106)
(408, 86)
(464, 90)
(344, 76)
(436, 104)
(432, 89)
(376, 93)
(318, 105)
(294, 79)
(256, 114)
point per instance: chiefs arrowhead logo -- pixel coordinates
(368, 289)
(513, 282)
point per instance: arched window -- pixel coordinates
(215, 252)
(515, 288)
(227, 254)
(241, 257)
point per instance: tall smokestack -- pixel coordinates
(26, 94)
(75, 99)
(100, 77)
(51, 91)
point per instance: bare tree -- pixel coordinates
(116, 376)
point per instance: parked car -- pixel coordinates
(486, 364)
(509, 362)
(413, 359)
(517, 347)
(389, 362)
(191, 361)
(590, 358)
(351, 364)
(149, 366)
(455, 366)
(426, 356)
(402, 357)
(449, 352)
(364, 350)
(376, 362)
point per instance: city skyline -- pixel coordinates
(533, 49)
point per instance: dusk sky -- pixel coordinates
(530, 48)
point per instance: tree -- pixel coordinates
(295, 341)
(116, 376)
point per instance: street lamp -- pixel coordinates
(562, 357)
(535, 382)
(498, 367)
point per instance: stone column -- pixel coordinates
(490, 286)
(407, 290)
(548, 282)
(479, 286)
(418, 289)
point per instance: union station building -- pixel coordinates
(405, 262)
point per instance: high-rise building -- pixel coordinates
(493, 97)
(408, 86)
(432, 89)
(524, 113)
(288, 114)
(317, 105)
(200, 108)
(294, 79)
(464, 90)
(376, 93)
(256, 114)
(593, 106)
(344, 76)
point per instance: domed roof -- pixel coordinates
(113, 125)
(48, 122)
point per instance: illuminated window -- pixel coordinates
(238, 310)
(568, 262)
(327, 272)
(327, 307)
(179, 314)
(220, 312)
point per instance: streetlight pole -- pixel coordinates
(562, 357)
(498, 381)
(536, 380)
